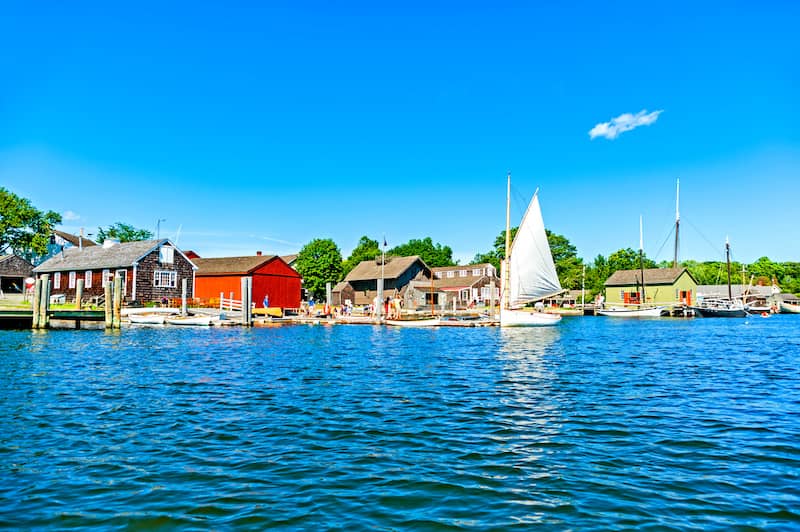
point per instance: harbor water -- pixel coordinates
(594, 424)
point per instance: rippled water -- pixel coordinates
(597, 423)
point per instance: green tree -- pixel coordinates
(627, 259)
(434, 255)
(319, 262)
(367, 249)
(24, 229)
(569, 266)
(123, 233)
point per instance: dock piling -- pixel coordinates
(116, 317)
(79, 294)
(109, 293)
(37, 294)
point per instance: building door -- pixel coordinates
(123, 274)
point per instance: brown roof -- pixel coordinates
(289, 259)
(652, 276)
(231, 265)
(394, 268)
(75, 240)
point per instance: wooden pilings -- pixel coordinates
(116, 319)
(79, 294)
(247, 301)
(41, 302)
(108, 291)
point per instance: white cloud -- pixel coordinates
(624, 122)
(71, 216)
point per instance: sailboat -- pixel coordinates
(721, 307)
(642, 311)
(529, 273)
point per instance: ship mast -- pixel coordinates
(677, 223)
(506, 264)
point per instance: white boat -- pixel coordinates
(149, 310)
(430, 322)
(623, 312)
(638, 311)
(147, 319)
(202, 321)
(529, 273)
(790, 308)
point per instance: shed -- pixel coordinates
(13, 272)
(664, 286)
(271, 276)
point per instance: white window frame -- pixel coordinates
(166, 255)
(87, 279)
(477, 272)
(438, 275)
(57, 281)
(159, 277)
(107, 276)
(451, 274)
(462, 273)
(123, 274)
(72, 277)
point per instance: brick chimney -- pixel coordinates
(258, 253)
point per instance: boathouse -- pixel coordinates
(13, 272)
(360, 286)
(271, 276)
(663, 286)
(151, 270)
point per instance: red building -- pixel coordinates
(271, 276)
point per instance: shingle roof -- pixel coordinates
(288, 259)
(394, 268)
(652, 276)
(231, 265)
(99, 257)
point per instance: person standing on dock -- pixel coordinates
(266, 300)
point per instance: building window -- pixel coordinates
(477, 272)
(166, 255)
(462, 273)
(438, 275)
(57, 281)
(87, 278)
(165, 279)
(451, 274)
(107, 277)
(72, 277)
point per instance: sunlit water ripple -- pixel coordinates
(597, 423)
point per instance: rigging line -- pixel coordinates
(702, 235)
(667, 239)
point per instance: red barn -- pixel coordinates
(271, 276)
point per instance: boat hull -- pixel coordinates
(519, 318)
(654, 312)
(198, 321)
(434, 322)
(790, 308)
(147, 319)
(720, 312)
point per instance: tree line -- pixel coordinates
(25, 231)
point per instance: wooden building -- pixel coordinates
(151, 270)
(13, 272)
(271, 276)
(663, 286)
(360, 286)
(459, 285)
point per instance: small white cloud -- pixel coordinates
(624, 122)
(71, 216)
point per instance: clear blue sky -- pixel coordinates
(262, 125)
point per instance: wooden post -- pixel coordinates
(108, 290)
(37, 294)
(44, 301)
(183, 297)
(221, 299)
(247, 296)
(116, 317)
(491, 299)
(329, 294)
(79, 294)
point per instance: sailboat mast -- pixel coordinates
(506, 264)
(677, 223)
(728, 260)
(641, 260)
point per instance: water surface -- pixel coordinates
(597, 423)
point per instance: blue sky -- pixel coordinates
(262, 125)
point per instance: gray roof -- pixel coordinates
(394, 268)
(100, 257)
(75, 240)
(721, 290)
(652, 276)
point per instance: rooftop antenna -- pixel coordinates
(158, 227)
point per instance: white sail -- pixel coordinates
(532, 273)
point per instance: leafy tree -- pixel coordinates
(319, 262)
(367, 249)
(24, 229)
(123, 233)
(627, 259)
(434, 255)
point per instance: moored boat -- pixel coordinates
(790, 308)
(719, 307)
(622, 312)
(201, 321)
(147, 319)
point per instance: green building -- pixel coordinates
(662, 286)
